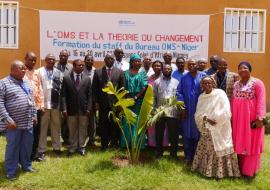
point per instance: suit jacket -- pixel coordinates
(90, 74)
(65, 70)
(100, 81)
(76, 101)
(230, 80)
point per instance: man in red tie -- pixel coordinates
(77, 106)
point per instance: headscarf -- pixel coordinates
(134, 57)
(246, 64)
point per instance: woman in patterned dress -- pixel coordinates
(248, 111)
(214, 155)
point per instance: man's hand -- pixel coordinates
(64, 113)
(88, 113)
(11, 126)
(96, 106)
(211, 121)
(183, 114)
(42, 110)
(34, 121)
(259, 123)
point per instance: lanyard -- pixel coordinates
(24, 87)
(49, 74)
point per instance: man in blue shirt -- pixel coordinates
(17, 115)
(180, 72)
(213, 62)
(189, 91)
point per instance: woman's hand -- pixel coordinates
(212, 122)
(259, 123)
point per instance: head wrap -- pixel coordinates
(134, 57)
(246, 64)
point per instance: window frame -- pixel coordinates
(10, 4)
(259, 49)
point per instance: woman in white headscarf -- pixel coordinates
(214, 155)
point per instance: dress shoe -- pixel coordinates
(40, 157)
(174, 157)
(69, 154)
(103, 148)
(11, 177)
(82, 152)
(91, 144)
(30, 170)
(57, 152)
(159, 156)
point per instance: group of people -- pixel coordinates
(221, 125)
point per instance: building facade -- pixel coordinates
(231, 44)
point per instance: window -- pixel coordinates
(244, 30)
(9, 11)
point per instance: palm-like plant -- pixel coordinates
(147, 116)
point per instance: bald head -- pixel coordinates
(147, 61)
(119, 54)
(63, 57)
(167, 57)
(213, 61)
(30, 60)
(202, 64)
(17, 69)
(50, 61)
(109, 60)
(192, 66)
(222, 65)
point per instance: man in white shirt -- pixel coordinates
(119, 62)
(165, 88)
(51, 82)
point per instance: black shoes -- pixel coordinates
(40, 157)
(57, 152)
(69, 154)
(11, 177)
(82, 152)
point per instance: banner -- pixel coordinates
(97, 34)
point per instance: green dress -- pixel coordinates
(134, 84)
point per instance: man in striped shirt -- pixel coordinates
(17, 115)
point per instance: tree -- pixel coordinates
(147, 116)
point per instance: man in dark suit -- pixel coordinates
(77, 106)
(109, 131)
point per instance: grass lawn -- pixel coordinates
(96, 171)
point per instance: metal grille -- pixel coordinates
(244, 30)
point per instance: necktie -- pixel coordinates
(77, 81)
(109, 72)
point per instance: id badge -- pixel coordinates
(30, 102)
